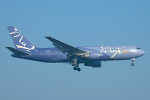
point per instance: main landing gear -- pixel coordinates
(133, 59)
(76, 66)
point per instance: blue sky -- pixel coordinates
(78, 23)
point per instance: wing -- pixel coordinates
(65, 48)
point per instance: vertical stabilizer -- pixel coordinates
(20, 41)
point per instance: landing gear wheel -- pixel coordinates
(77, 68)
(132, 64)
(74, 68)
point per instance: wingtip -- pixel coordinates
(10, 26)
(47, 37)
(7, 46)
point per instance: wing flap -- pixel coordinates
(65, 48)
(18, 52)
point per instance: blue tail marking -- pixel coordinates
(20, 41)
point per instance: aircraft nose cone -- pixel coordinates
(142, 52)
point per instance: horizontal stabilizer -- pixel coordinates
(17, 52)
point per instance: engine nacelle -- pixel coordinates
(93, 64)
(94, 55)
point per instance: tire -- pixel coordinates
(132, 64)
(74, 68)
(79, 69)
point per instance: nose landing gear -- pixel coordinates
(133, 59)
(132, 64)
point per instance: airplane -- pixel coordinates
(63, 53)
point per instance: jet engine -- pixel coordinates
(94, 64)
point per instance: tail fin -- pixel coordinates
(20, 41)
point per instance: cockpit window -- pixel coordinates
(138, 48)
